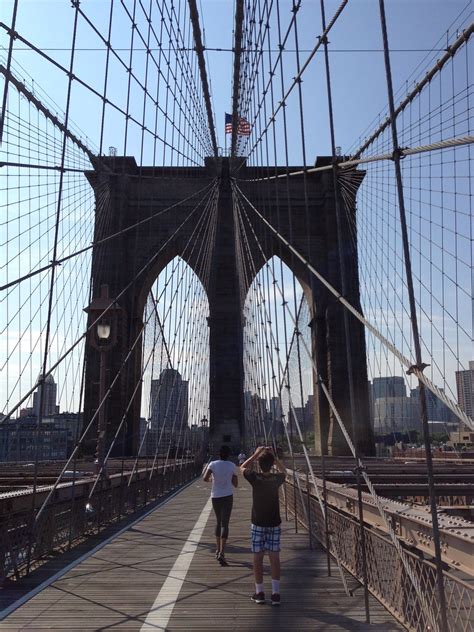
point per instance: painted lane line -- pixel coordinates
(162, 609)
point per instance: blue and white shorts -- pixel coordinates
(265, 539)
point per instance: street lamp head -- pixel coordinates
(103, 330)
(104, 317)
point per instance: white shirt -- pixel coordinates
(222, 472)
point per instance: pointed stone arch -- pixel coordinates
(303, 213)
(175, 377)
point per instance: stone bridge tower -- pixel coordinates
(127, 196)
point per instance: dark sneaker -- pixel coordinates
(221, 559)
(258, 597)
(275, 599)
(217, 554)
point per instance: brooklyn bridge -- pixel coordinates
(236, 224)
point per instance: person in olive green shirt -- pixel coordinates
(266, 520)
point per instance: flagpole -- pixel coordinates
(225, 143)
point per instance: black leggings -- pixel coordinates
(222, 508)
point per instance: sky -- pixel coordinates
(415, 26)
(359, 93)
(418, 31)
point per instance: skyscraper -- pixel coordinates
(275, 408)
(465, 388)
(437, 411)
(169, 401)
(393, 410)
(49, 398)
(396, 414)
(391, 386)
(276, 415)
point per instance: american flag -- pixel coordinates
(243, 126)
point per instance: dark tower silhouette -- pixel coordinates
(127, 194)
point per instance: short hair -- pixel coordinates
(224, 452)
(266, 461)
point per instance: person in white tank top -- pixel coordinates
(223, 474)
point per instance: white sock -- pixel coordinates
(275, 586)
(258, 588)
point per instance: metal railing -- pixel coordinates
(74, 514)
(387, 577)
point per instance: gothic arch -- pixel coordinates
(299, 271)
(152, 273)
(134, 195)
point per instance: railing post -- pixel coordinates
(326, 514)
(363, 549)
(3, 551)
(122, 489)
(145, 481)
(99, 504)
(308, 501)
(136, 485)
(295, 506)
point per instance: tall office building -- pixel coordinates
(392, 386)
(371, 402)
(465, 388)
(276, 416)
(304, 415)
(49, 398)
(169, 401)
(437, 411)
(396, 414)
(275, 408)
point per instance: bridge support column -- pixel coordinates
(225, 329)
(320, 405)
(343, 350)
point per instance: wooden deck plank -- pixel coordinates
(116, 587)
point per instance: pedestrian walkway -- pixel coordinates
(161, 574)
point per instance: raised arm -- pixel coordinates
(279, 465)
(246, 464)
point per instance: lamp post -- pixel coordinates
(205, 436)
(194, 436)
(102, 336)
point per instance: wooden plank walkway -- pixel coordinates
(117, 587)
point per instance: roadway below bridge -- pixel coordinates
(404, 480)
(159, 573)
(396, 479)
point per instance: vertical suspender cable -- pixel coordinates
(52, 285)
(414, 324)
(342, 269)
